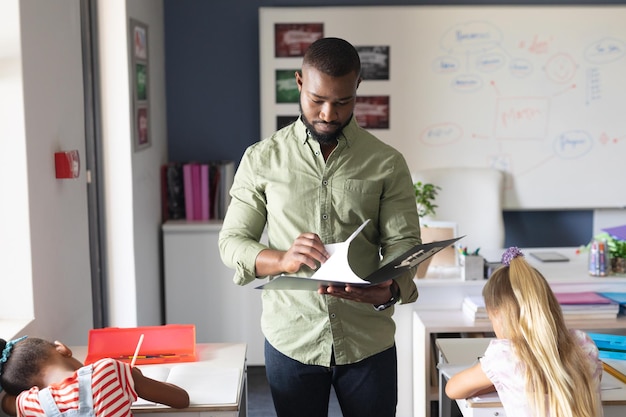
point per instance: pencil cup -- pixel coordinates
(472, 267)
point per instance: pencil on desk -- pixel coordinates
(612, 371)
(132, 363)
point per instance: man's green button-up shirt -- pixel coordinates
(284, 186)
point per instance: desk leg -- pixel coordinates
(447, 407)
(243, 401)
(421, 368)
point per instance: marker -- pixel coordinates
(594, 268)
(602, 259)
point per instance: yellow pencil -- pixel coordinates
(612, 371)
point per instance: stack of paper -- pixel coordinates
(617, 297)
(586, 305)
(474, 307)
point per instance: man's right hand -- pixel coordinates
(307, 249)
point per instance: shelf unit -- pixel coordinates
(199, 289)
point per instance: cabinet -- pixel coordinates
(199, 289)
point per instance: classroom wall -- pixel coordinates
(212, 87)
(146, 201)
(51, 67)
(51, 81)
(132, 177)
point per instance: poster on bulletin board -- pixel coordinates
(538, 92)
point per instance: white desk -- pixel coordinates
(458, 354)
(218, 355)
(438, 310)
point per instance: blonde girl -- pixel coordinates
(538, 366)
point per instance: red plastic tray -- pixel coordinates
(161, 344)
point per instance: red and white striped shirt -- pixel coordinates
(113, 392)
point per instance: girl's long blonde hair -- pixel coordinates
(559, 376)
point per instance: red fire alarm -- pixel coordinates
(67, 164)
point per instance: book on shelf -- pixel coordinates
(590, 311)
(581, 297)
(172, 191)
(196, 191)
(214, 183)
(589, 316)
(574, 306)
(188, 186)
(204, 192)
(617, 297)
(586, 305)
(474, 303)
(474, 307)
(227, 175)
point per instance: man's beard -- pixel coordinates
(323, 138)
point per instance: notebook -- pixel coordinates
(549, 256)
(583, 297)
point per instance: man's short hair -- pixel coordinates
(333, 56)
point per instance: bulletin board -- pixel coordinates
(538, 92)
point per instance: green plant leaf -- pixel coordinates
(617, 247)
(425, 195)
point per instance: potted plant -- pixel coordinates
(617, 253)
(425, 196)
(618, 257)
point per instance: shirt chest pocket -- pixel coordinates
(361, 199)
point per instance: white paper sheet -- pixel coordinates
(205, 383)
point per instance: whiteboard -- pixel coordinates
(538, 92)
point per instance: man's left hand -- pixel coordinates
(373, 294)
